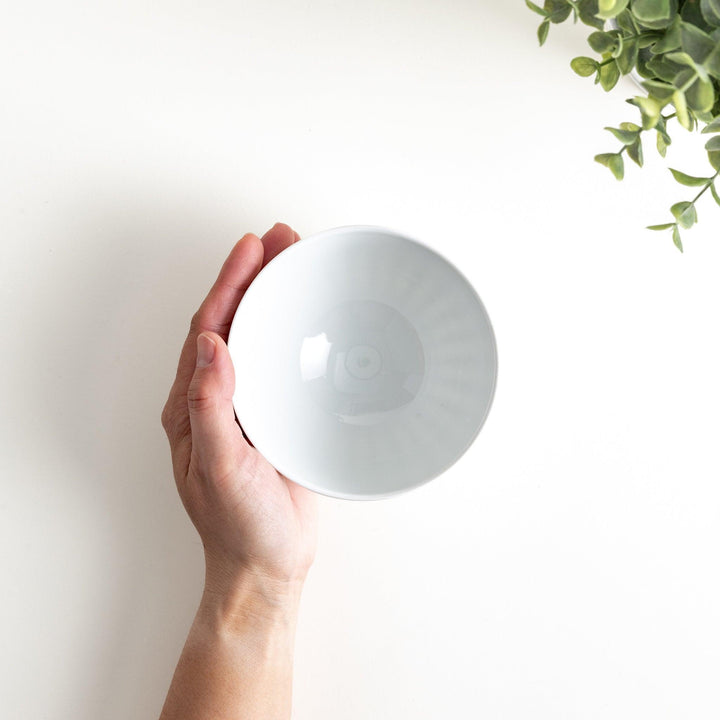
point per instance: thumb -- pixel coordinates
(216, 437)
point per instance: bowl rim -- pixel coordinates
(379, 229)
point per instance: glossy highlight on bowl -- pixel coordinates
(365, 363)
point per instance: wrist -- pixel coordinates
(233, 601)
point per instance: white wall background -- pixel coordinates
(566, 567)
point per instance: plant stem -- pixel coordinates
(637, 36)
(709, 183)
(687, 85)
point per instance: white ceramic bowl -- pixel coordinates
(365, 363)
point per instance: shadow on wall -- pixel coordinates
(139, 267)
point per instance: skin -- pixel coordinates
(258, 529)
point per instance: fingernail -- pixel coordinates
(205, 350)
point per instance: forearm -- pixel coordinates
(237, 661)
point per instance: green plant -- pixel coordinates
(674, 48)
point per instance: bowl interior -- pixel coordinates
(365, 363)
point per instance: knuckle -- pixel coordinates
(165, 418)
(170, 420)
(204, 320)
(196, 322)
(174, 418)
(199, 397)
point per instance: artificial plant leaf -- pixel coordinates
(609, 75)
(715, 195)
(690, 13)
(682, 58)
(631, 127)
(608, 9)
(626, 137)
(602, 42)
(535, 8)
(663, 69)
(712, 127)
(627, 59)
(626, 22)
(558, 10)
(588, 10)
(701, 96)
(670, 40)
(712, 61)
(650, 9)
(584, 66)
(642, 69)
(614, 162)
(663, 139)
(635, 152)
(710, 10)
(619, 47)
(654, 13)
(648, 39)
(664, 226)
(685, 213)
(683, 115)
(542, 31)
(659, 90)
(696, 43)
(713, 150)
(649, 110)
(676, 238)
(689, 180)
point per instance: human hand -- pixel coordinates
(253, 522)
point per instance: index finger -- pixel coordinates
(242, 265)
(217, 311)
